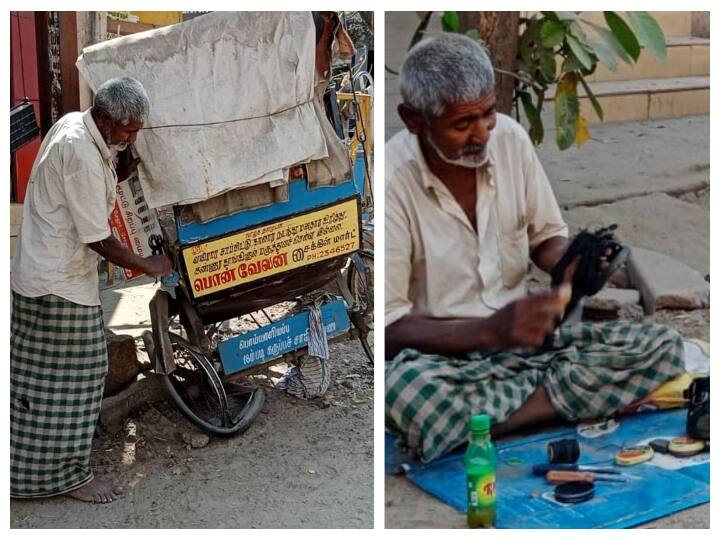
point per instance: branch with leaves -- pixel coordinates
(554, 49)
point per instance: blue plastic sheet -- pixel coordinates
(657, 488)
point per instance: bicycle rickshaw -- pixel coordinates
(311, 247)
(199, 369)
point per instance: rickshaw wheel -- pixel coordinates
(362, 291)
(202, 398)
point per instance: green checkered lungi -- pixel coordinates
(58, 363)
(591, 371)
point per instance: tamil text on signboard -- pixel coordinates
(273, 248)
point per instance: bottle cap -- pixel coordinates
(480, 423)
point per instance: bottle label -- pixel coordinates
(481, 491)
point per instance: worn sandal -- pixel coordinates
(589, 276)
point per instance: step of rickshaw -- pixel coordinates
(274, 340)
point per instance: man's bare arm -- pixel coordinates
(441, 336)
(547, 254)
(114, 251)
(525, 322)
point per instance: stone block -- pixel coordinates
(123, 365)
(674, 23)
(677, 64)
(619, 108)
(116, 409)
(665, 282)
(683, 103)
(610, 299)
(612, 303)
(700, 61)
(701, 23)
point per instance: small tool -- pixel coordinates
(561, 477)
(574, 492)
(542, 469)
(157, 247)
(634, 455)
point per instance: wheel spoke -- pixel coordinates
(200, 394)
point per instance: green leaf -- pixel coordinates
(527, 42)
(571, 63)
(648, 32)
(580, 53)
(566, 15)
(473, 33)
(623, 33)
(593, 100)
(609, 38)
(567, 109)
(550, 15)
(552, 33)
(420, 30)
(450, 21)
(548, 65)
(604, 53)
(537, 131)
(577, 31)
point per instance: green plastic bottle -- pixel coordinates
(480, 470)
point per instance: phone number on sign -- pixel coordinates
(329, 252)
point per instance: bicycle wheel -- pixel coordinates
(362, 290)
(202, 398)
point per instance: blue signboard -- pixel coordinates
(274, 340)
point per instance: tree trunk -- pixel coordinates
(499, 31)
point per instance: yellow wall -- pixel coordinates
(159, 18)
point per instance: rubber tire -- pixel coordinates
(248, 413)
(368, 257)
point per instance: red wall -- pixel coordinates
(23, 55)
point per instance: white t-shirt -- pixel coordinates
(436, 263)
(69, 199)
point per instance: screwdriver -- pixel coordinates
(543, 468)
(560, 477)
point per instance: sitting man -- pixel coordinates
(467, 206)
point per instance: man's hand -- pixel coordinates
(126, 165)
(528, 321)
(157, 265)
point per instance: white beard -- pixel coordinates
(115, 149)
(462, 161)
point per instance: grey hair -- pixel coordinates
(124, 99)
(443, 69)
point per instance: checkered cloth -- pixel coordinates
(590, 371)
(58, 363)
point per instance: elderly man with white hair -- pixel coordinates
(58, 354)
(468, 205)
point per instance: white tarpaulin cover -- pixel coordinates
(231, 100)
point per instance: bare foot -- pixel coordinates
(537, 408)
(96, 491)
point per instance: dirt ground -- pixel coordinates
(302, 464)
